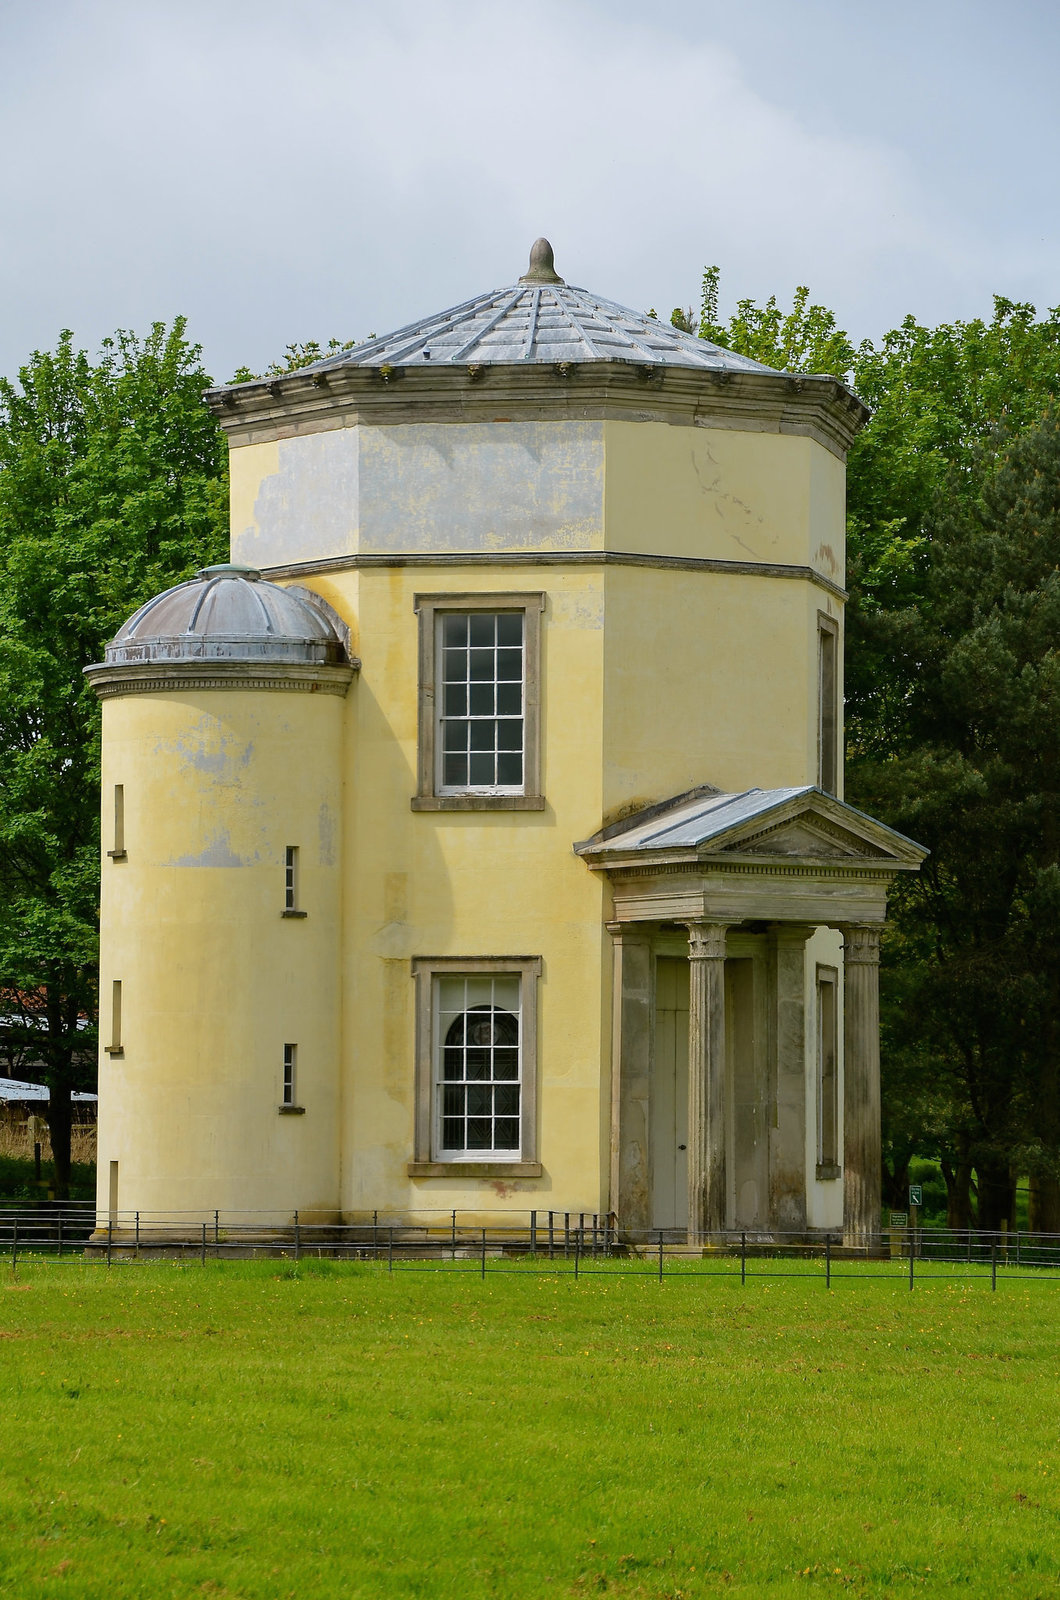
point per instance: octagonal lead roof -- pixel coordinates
(540, 319)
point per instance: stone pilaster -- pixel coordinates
(861, 1084)
(706, 1080)
(631, 1014)
(787, 1134)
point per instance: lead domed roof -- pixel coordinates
(540, 319)
(230, 613)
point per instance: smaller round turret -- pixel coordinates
(229, 613)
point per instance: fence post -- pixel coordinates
(743, 1258)
(912, 1257)
(577, 1252)
(828, 1260)
(203, 1258)
(137, 1235)
(566, 1234)
(217, 1227)
(390, 1250)
(533, 1233)
(596, 1219)
(375, 1236)
(993, 1262)
(297, 1238)
(660, 1255)
(452, 1234)
(1018, 1259)
(60, 1230)
(551, 1234)
(110, 1237)
(14, 1240)
(483, 1252)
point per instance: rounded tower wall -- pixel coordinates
(220, 1011)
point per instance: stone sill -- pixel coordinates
(117, 855)
(291, 1111)
(292, 913)
(115, 1051)
(477, 802)
(827, 1171)
(474, 1169)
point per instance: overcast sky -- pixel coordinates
(285, 171)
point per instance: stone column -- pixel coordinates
(631, 1021)
(706, 1080)
(861, 1084)
(787, 1134)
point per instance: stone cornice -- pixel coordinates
(166, 677)
(820, 408)
(554, 558)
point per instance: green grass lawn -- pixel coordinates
(264, 1430)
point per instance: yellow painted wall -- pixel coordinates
(641, 487)
(711, 677)
(214, 980)
(471, 884)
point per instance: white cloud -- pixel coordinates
(285, 173)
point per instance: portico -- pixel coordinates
(756, 910)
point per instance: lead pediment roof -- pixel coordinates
(793, 824)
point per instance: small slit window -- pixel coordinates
(115, 1047)
(290, 1055)
(118, 852)
(292, 887)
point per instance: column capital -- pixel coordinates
(631, 932)
(861, 944)
(706, 940)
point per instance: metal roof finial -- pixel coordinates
(542, 268)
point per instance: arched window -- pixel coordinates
(476, 1062)
(480, 1081)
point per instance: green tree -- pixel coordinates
(967, 966)
(296, 356)
(112, 487)
(977, 779)
(805, 339)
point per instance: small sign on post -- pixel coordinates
(916, 1195)
(899, 1219)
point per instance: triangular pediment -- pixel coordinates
(803, 824)
(806, 835)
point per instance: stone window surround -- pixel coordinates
(428, 607)
(424, 971)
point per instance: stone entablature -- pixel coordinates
(819, 408)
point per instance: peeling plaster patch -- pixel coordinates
(482, 486)
(826, 560)
(584, 610)
(326, 835)
(217, 853)
(308, 509)
(210, 749)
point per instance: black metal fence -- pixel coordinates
(579, 1243)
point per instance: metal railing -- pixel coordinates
(578, 1242)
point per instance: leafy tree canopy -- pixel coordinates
(112, 487)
